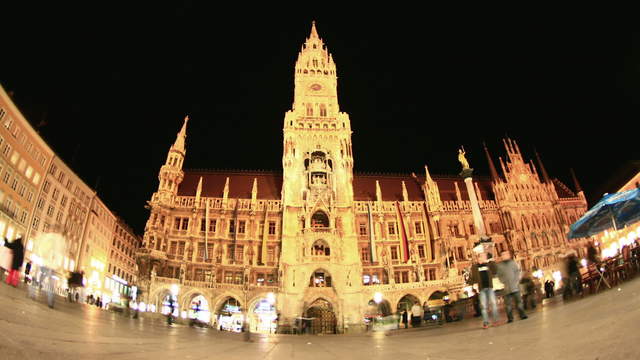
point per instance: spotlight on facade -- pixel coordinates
(377, 297)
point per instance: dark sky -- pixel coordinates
(114, 83)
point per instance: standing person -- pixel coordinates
(171, 309)
(18, 258)
(509, 275)
(527, 287)
(552, 286)
(573, 271)
(27, 270)
(405, 319)
(547, 289)
(416, 315)
(482, 274)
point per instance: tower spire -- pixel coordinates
(182, 135)
(314, 32)
(545, 176)
(492, 167)
(576, 184)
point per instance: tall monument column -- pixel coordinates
(466, 174)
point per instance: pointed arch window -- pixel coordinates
(323, 110)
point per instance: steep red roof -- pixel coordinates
(562, 190)
(240, 183)
(364, 185)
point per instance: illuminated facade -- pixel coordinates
(122, 268)
(320, 241)
(22, 166)
(62, 206)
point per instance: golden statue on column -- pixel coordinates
(463, 159)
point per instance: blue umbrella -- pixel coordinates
(612, 211)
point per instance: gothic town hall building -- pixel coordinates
(318, 241)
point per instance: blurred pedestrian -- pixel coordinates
(527, 288)
(509, 275)
(416, 315)
(405, 319)
(27, 271)
(171, 305)
(51, 248)
(17, 250)
(482, 273)
(476, 302)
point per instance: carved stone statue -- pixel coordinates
(463, 159)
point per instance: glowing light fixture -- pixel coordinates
(377, 297)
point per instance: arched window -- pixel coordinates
(320, 248)
(319, 220)
(309, 110)
(320, 278)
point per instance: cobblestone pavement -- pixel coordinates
(603, 326)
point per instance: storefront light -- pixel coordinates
(377, 297)
(271, 298)
(175, 288)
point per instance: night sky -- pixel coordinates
(113, 83)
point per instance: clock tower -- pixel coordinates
(320, 265)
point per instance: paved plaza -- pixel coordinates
(602, 326)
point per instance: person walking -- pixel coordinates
(482, 273)
(476, 302)
(509, 275)
(17, 250)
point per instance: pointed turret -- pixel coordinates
(254, 192)
(225, 193)
(405, 194)
(545, 176)
(199, 191)
(458, 195)
(378, 191)
(576, 184)
(492, 167)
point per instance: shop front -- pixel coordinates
(265, 317)
(230, 316)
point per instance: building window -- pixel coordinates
(35, 223)
(50, 210)
(418, 227)
(63, 202)
(241, 226)
(365, 254)
(53, 169)
(212, 226)
(421, 251)
(228, 277)
(472, 229)
(232, 227)
(394, 253)
(40, 203)
(56, 194)
(461, 253)
(203, 225)
(239, 252)
(432, 274)
(363, 229)
(6, 177)
(391, 227)
(47, 186)
(272, 227)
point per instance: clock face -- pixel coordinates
(316, 87)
